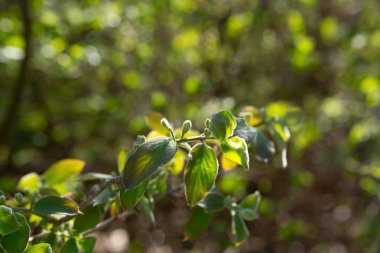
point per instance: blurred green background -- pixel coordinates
(93, 68)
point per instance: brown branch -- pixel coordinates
(21, 81)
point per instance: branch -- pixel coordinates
(108, 221)
(195, 138)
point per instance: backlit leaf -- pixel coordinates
(29, 182)
(55, 205)
(153, 119)
(222, 125)
(8, 221)
(200, 173)
(198, 222)
(235, 149)
(252, 115)
(16, 242)
(131, 197)
(63, 170)
(70, 246)
(146, 159)
(39, 248)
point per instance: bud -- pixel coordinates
(19, 197)
(186, 126)
(2, 200)
(141, 139)
(165, 123)
(207, 132)
(207, 122)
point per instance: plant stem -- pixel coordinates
(195, 138)
(106, 222)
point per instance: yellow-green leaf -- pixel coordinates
(63, 170)
(200, 173)
(39, 248)
(222, 125)
(153, 120)
(235, 149)
(146, 159)
(29, 182)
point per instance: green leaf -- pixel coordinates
(252, 201)
(63, 170)
(16, 242)
(244, 131)
(213, 202)
(147, 205)
(70, 246)
(235, 149)
(55, 205)
(30, 182)
(8, 221)
(39, 248)
(153, 119)
(130, 197)
(89, 219)
(87, 244)
(264, 148)
(200, 172)
(104, 197)
(121, 159)
(222, 125)
(281, 135)
(248, 214)
(198, 222)
(239, 229)
(47, 237)
(146, 159)
(95, 176)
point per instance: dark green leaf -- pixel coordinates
(89, 219)
(87, 244)
(200, 173)
(239, 229)
(264, 148)
(130, 197)
(70, 246)
(8, 221)
(213, 202)
(39, 248)
(16, 242)
(55, 205)
(222, 125)
(95, 176)
(198, 222)
(146, 159)
(105, 196)
(48, 237)
(248, 214)
(235, 150)
(244, 131)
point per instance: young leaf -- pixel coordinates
(235, 149)
(198, 222)
(55, 205)
(130, 197)
(243, 131)
(153, 119)
(239, 230)
(70, 246)
(146, 159)
(39, 248)
(222, 125)
(29, 182)
(200, 173)
(252, 115)
(16, 242)
(87, 244)
(264, 148)
(8, 221)
(63, 170)
(89, 219)
(213, 202)
(252, 201)
(121, 159)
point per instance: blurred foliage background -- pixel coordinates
(77, 78)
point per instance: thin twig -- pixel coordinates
(108, 221)
(195, 138)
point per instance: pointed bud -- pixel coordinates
(186, 126)
(165, 123)
(207, 132)
(207, 122)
